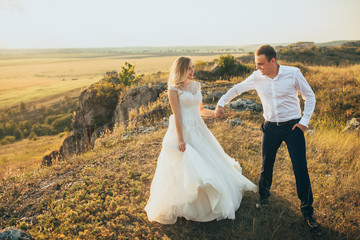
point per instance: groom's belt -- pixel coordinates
(293, 121)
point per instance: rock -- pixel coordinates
(217, 95)
(164, 122)
(209, 107)
(301, 45)
(139, 130)
(93, 117)
(352, 125)
(88, 122)
(246, 105)
(210, 97)
(351, 44)
(215, 69)
(71, 145)
(135, 98)
(91, 114)
(234, 122)
(28, 219)
(310, 132)
(11, 233)
(50, 158)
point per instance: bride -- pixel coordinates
(194, 177)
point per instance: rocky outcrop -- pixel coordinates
(135, 98)
(246, 105)
(300, 45)
(352, 125)
(14, 234)
(92, 118)
(215, 69)
(351, 44)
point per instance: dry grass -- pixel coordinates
(101, 194)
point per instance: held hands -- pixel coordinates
(182, 146)
(219, 111)
(302, 127)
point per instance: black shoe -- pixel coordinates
(311, 222)
(262, 203)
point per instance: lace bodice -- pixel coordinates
(189, 101)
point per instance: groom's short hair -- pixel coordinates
(266, 50)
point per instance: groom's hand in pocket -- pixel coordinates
(302, 127)
(219, 111)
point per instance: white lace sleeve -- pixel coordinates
(172, 87)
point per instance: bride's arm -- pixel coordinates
(206, 112)
(174, 103)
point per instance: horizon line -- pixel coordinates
(172, 46)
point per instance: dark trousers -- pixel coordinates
(273, 136)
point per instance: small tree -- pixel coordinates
(108, 89)
(22, 107)
(18, 134)
(127, 75)
(2, 131)
(7, 140)
(25, 125)
(10, 128)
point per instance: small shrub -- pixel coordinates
(61, 123)
(2, 130)
(107, 90)
(228, 66)
(18, 134)
(33, 136)
(51, 118)
(43, 129)
(10, 128)
(8, 140)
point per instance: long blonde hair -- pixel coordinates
(179, 72)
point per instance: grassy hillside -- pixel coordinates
(101, 194)
(26, 155)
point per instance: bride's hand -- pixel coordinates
(182, 146)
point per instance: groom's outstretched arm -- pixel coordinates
(236, 90)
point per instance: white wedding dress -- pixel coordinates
(201, 184)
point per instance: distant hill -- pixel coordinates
(332, 43)
(310, 53)
(241, 48)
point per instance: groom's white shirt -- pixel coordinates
(279, 96)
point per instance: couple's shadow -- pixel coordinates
(278, 220)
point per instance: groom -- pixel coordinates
(278, 88)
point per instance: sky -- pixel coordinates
(125, 23)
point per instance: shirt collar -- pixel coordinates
(280, 69)
(279, 72)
